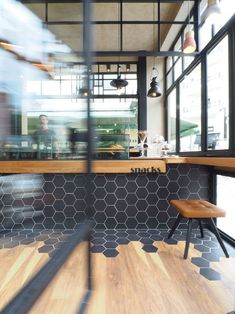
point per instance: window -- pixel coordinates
(225, 199)
(218, 92)
(190, 111)
(172, 119)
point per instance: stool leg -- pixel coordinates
(178, 219)
(201, 228)
(189, 231)
(216, 232)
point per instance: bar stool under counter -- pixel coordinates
(201, 211)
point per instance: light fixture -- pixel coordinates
(212, 12)
(119, 83)
(155, 90)
(108, 68)
(128, 67)
(189, 45)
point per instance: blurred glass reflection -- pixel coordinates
(17, 194)
(40, 76)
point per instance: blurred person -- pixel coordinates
(45, 139)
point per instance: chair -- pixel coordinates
(201, 211)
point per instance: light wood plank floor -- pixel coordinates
(132, 282)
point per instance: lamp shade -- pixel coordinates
(118, 82)
(213, 11)
(189, 43)
(154, 90)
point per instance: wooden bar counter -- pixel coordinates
(133, 165)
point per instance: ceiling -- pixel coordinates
(117, 26)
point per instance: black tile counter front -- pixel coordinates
(120, 201)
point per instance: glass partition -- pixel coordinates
(218, 92)
(190, 111)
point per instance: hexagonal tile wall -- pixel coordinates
(120, 201)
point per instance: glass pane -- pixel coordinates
(218, 106)
(190, 111)
(177, 68)
(172, 119)
(226, 197)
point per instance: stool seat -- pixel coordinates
(197, 209)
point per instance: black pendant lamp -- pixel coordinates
(155, 90)
(119, 83)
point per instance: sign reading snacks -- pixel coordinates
(145, 170)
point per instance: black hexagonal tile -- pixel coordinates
(152, 199)
(183, 180)
(100, 193)
(79, 217)
(110, 245)
(152, 211)
(200, 262)
(152, 187)
(149, 248)
(211, 257)
(133, 237)
(80, 193)
(110, 187)
(59, 217)
(183, 193)
(45, 249)
(110, 211)
(121, 217)
(121, 180)
(69, 199)
(195, 241)
(59, 180)
(70, 223)
(131, 223)
(173, 187)
(98, 241)
(146, 240)
(110, 199)
(142, 193)
(110, 223)
(141, 180)
(110, 252)
(69, 187)
(162, 180)
(80, 205)
(121, 205)
(97, 249)
(121, 193)
(194, 186)
(141, 205)
(171, 241)
(211, 244)
(122, 241)
(131, 187)
(131, 199)
(100, 217)
(121, 234)
(202, 248)
(210, 273)
(156, 237)
(141, 217)
(110, 237)
(59, 205)
(99, 180)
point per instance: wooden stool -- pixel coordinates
(199, 210)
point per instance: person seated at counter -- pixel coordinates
(44, 138)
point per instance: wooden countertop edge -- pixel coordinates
(109, 166)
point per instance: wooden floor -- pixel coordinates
(132, 282)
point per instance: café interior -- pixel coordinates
(117, 156)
